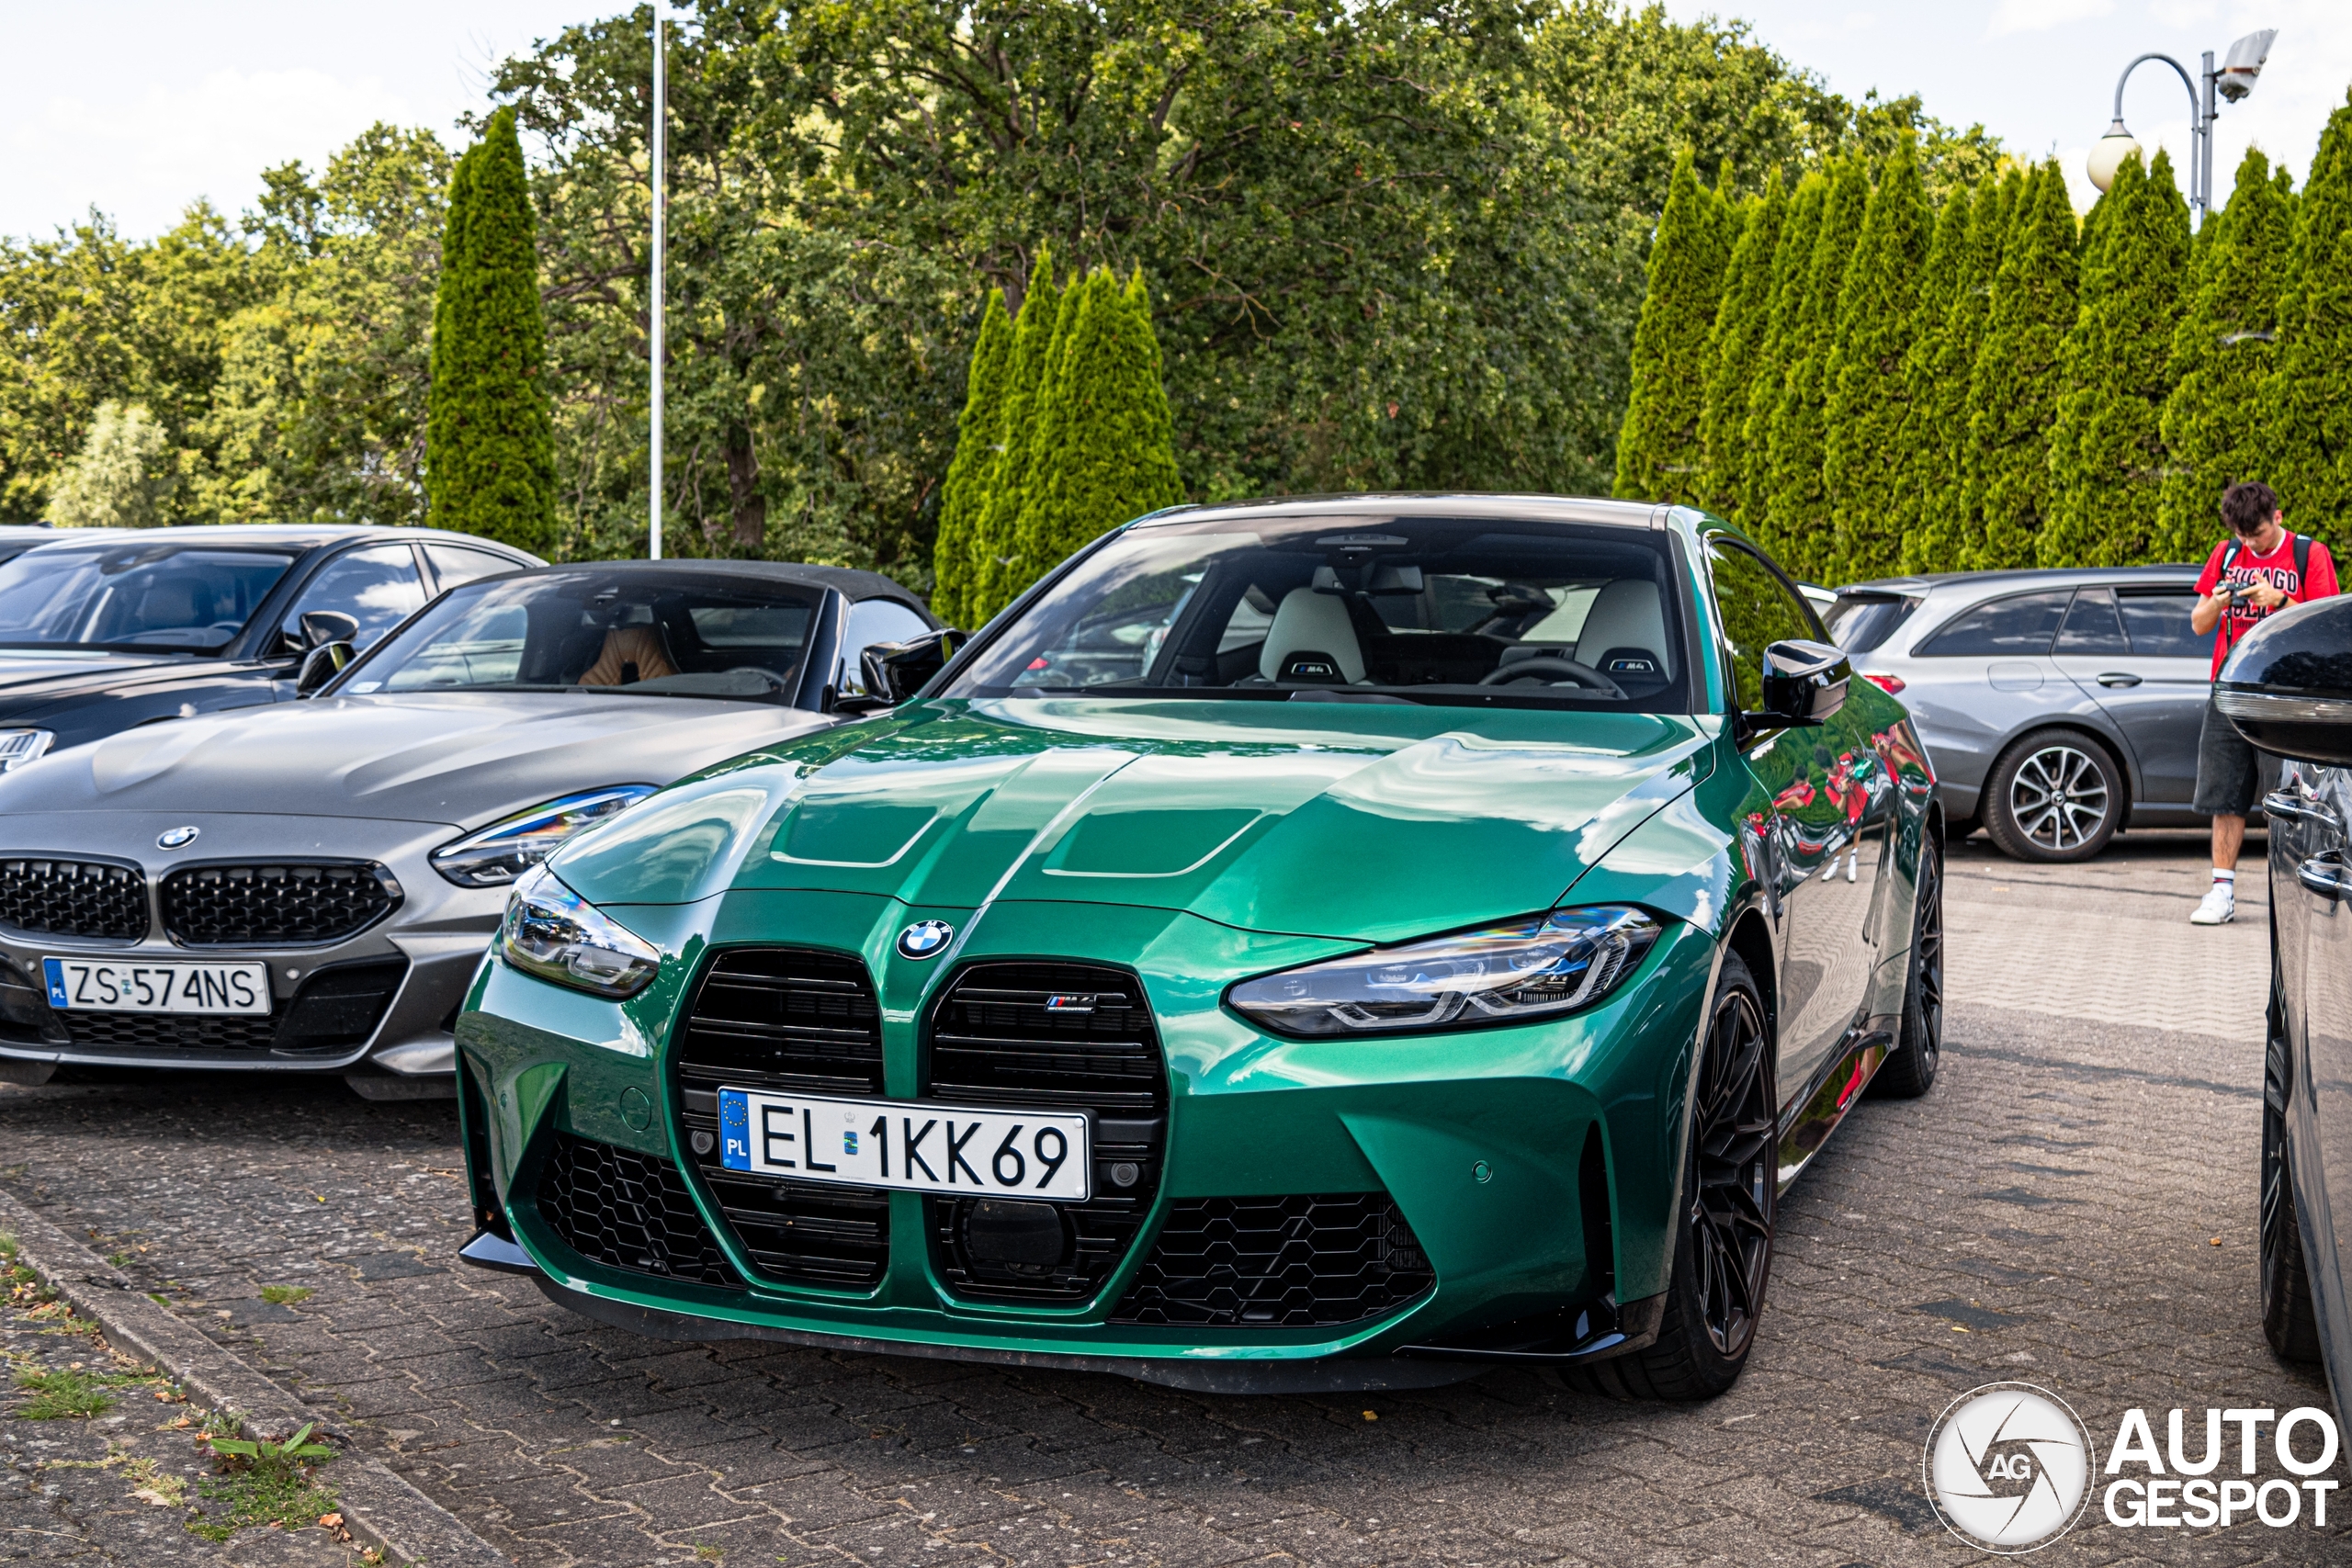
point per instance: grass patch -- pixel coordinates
(261, 1482)
(284, 1295)
(60, 1395)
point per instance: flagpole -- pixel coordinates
(661, 138)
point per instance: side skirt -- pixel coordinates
(1807, 1125)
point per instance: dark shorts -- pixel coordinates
(2230, 772)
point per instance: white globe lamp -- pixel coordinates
(2108, 153)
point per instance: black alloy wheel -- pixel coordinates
(2289, 1319)
(2055, 795)
(1910, 1071)
(1723, 1245)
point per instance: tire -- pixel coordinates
(1910, 1072)
(2055, 795)
(1711, 1312)
(2290, 1318)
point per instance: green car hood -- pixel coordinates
(1353, 821)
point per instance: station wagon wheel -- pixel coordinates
(2055, 795)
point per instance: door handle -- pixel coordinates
(2286, 806)
(2325, 876)
(2118, 678)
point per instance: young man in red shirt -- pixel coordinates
(2259, 568)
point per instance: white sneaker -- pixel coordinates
(2219, 908)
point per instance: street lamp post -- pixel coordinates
(2233, 81)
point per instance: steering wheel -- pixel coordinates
(1553, 670)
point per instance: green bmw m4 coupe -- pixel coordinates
(1311, 944)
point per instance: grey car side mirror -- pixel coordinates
(895, 671)
(320, 627)
(1805, 682)
(2286, 687)
(321, 665)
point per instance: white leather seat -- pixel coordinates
(1308, 622)
(1625, 613)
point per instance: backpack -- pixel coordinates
(2302, 575)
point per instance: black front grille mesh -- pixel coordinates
(1292, 1262)
(213, 906)
(628, 1211)
(786, 1018)
(336, 1010)
(90, 899)
(1063, 1037)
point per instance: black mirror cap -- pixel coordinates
(321, 665)
(2287, 687)
(1805, 681)
(320, 627)
(895, 671)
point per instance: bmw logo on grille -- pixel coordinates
(175, 838)
(924, 938)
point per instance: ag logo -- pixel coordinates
(924, 938)
(2008, 1468)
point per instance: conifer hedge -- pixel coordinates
(1661, 454)
(964, 494)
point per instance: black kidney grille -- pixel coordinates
(1059, 1037)
(628, 1211)
(1296, 1262)
(335, 1012)
(74, 898)
(786, 1018)
(215, 906)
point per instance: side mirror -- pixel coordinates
(2288, 686)
(320, 627)
(1805, 682)
(895, 671)
(321, 664)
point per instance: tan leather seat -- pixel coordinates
(625, 646)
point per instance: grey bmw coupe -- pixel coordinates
(307, 886)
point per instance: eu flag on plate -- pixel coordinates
(734, 1130)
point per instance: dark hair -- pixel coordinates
(2246, 506)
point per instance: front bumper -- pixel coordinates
(1535, 1166)
(379, 1003)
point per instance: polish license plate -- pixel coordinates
(79, 985)
(914, 1147)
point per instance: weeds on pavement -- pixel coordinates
(261, 1481)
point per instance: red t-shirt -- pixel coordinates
(2277, 569)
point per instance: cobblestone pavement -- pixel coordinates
(2072, 1205)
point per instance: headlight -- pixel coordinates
(19, 747)
(506, 850)
(1534, 968)
(551, 931)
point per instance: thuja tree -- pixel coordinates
(2216, 420)
(998, 575)
(1947, 519)
(2107, 458)
(1926, 410)
(1864, 464)
(2012, 391)
(980, 433)
(1104, 453)
(1796, 515)
(1736, 343)
(490, 436)
(2310, 389)
(1791, 263)
(1659, 453)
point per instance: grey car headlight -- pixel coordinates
(19, 747)
(552, 933)
(1516, 973)
(507, 849)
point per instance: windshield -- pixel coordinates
(592, 631)
(1465, 611)
(183, 597)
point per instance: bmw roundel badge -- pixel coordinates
(924, 938)
(175, 838)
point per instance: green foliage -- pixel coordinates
(2013, 388)
(1735, 345)
(1931, 407)
(2311, 388)
(2108, 459)
(1103, 453)
(1940, 476)
(70, 1393)
(489, 441)
(1659, 452)
(286, 1295)
(1001, 574)
(1796, 518)
(123, 477)
(979, 438)
(1792, 266)
(1865, 463)
(2216, 420)
(262, 1482)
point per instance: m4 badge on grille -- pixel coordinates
(176, 838)
(1068, 1002)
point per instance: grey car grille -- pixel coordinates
(336, 1010)
(91, 899)
(278, 905)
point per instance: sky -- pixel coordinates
(139, 108)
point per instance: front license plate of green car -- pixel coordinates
(948, 1149)
(91, 986)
